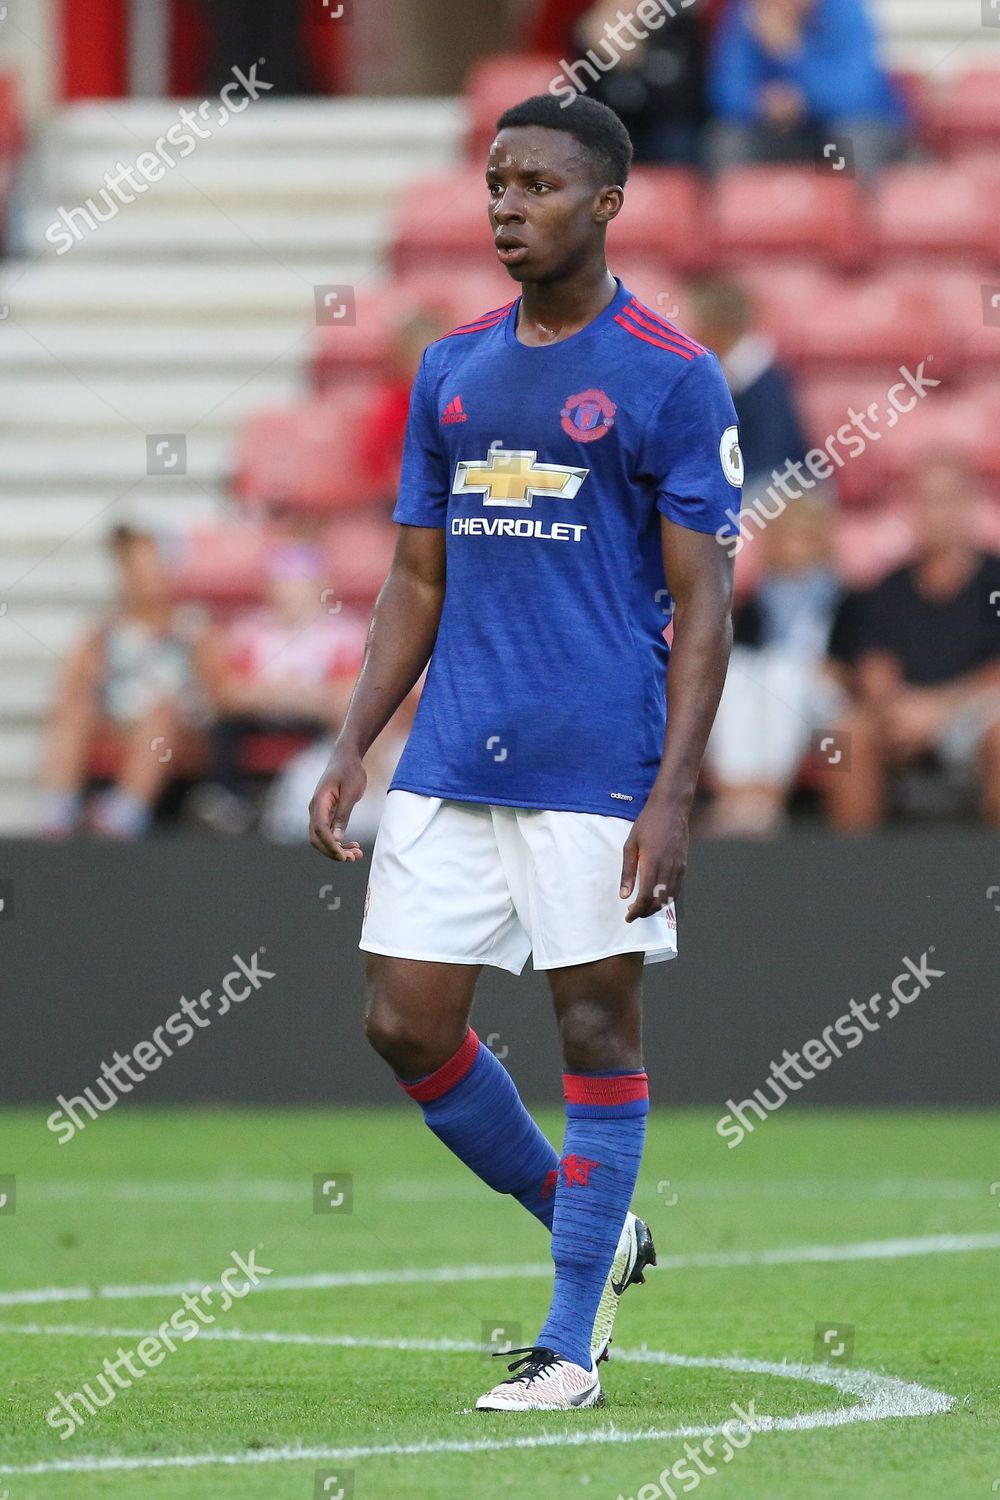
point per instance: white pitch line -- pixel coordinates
(881, 1399)
(933, 1244)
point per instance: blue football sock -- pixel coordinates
(472, 1105)
(605, 1132)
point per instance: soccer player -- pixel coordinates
(569, 460)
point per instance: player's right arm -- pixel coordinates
(400, 641)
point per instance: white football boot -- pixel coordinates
(635, 1252)
(544, 1381)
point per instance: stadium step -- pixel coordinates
(190, 308)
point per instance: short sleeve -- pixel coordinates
(424, 479)
(691, 451)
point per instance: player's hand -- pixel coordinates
(341, 786)
(656, 850)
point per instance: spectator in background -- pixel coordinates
(789, 78)
(722, 316)
(128, 689)
(381, 440)
(656, 85)
(923, 649)
(777, 691)
(285, 670)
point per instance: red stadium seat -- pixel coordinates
(788, 211)
(363, 345)
(360, 549)
(442, 223)
(848, 324)
(494, 85)
(664, 216)
(932, 210)
(461, 295)
(965, 111)
(11, 117)
(306, 456)
(826, 404)
(966, 422)
(221, 565)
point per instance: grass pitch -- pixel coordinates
(144, 1203)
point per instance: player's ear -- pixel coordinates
(609, 204)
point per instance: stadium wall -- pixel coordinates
(99, 944)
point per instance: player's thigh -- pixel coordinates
(598, 1009)
(417, 1012)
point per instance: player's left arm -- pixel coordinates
(699, 574)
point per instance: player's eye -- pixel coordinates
(494, 188)
(540, 187)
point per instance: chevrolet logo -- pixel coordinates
(512, 476)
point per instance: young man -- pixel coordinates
(569, 459)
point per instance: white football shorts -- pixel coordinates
(477, 883)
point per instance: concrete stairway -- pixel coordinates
(191, 308)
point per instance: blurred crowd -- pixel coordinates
(730, 82)
(857, 703)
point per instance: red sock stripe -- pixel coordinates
(580, 1088)
(448, 1074)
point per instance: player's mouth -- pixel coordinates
(510, 250)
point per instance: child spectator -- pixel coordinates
(284, 671)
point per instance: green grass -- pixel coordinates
(164, 1196)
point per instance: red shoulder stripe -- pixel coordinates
(643, 314)
(649, 339)
(660, 333)
(486, 320)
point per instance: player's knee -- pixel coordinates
(403, 1039)
(595, 1040)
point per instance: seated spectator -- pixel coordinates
(788, 78)
(283, 672)
(656, 84)
(385, 426)
(771, 436)
(923, 648)
(127, 688)
(777, 692)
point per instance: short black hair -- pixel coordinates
(598, 129)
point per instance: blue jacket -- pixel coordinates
(836, 68)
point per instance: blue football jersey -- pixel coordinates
(549, 469)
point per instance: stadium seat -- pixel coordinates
(826, 404)
(494, 85)
(306, 456)
(788, 211)
(363, 344)
(11, 118)
(442, 224)
(931, 210)
(463, 294)
(965, 111)
(868, 544)
(841, 323)
(664, 217)
(965, 422)
(360, 549)
(221, 565)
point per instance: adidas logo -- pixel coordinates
(454, 412)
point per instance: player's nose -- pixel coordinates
(507, 209)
